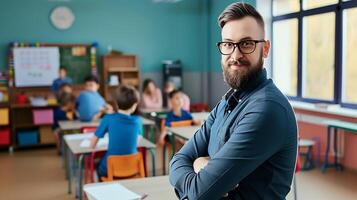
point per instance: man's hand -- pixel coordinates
(200, 163)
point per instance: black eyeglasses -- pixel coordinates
(245, 46)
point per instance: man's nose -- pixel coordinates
(236, 54)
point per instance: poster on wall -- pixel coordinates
(36, 66)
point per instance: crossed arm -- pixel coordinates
(253, 141)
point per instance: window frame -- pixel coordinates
(338, 9)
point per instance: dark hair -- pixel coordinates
(146, 83)
(91, 78)
(173, 92)
(126, 96)
(238, 11)
(66, 98)
(63, 68)
(64, 85)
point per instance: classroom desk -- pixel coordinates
(73, 142)
(184, 132)
(157, 188)
(76, 124)
(332, 127)
(200, 115)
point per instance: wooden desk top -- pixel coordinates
(76, 124)
(185, 132)
(157, 188)
(74, 140)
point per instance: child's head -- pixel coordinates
(67, 101)
(176, 99)
(127, 98)
(62, 72)
(65, 88)
(149, 86)
(91, 83)
(169, 87)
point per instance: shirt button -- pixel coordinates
(229, 111)
(239, 100)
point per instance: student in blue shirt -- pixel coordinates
(61, 79)
(177, 113)
(90, 104)
(122, 127)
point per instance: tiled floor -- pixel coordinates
(37, 175)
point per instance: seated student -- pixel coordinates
(61, 79)
(151, 97)
(177, 113)
(64, 88)
(169, 87)
(90, 105)
(122, 127)
(65, 111)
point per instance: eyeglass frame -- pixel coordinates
(236, 44)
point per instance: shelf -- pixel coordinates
(30, 106)
(30, 125)
(123, 69)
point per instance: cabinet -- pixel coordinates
(4, 111)
(31, 126)
(119, 69)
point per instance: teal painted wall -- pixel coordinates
(216, 7)
(153, 31)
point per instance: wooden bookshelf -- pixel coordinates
(125, 67)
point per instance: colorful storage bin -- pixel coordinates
(4, 136)
(4, 116)
(43, 116)
(46, 135)
(27, 138)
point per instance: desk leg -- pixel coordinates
(173, 145)
(80, 176)
(69, 170)
(152, 133)
(326, 164)
(60, 137)
(336, 163)
(164, 159)
(152, 152)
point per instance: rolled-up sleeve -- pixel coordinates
(255, 138)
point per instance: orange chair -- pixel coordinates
(173, 149)
(125, 166)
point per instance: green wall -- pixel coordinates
(154, 31)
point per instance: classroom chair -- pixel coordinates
(125, 167)
(199, 107)
(308, 145)
(171, 140)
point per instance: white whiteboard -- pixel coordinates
(36, 66)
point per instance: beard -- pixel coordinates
(240, 79)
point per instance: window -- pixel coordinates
(284, 7)
(318, 56)
(285, 45)
(309, 4)
(349, 71)
(314, 50)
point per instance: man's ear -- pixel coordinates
(266, 48)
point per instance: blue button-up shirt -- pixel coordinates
(252, 146)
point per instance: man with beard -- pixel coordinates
(247, 147)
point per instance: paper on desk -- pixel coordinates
(102, 142)
(110, 192)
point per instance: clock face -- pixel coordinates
(62, 17)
